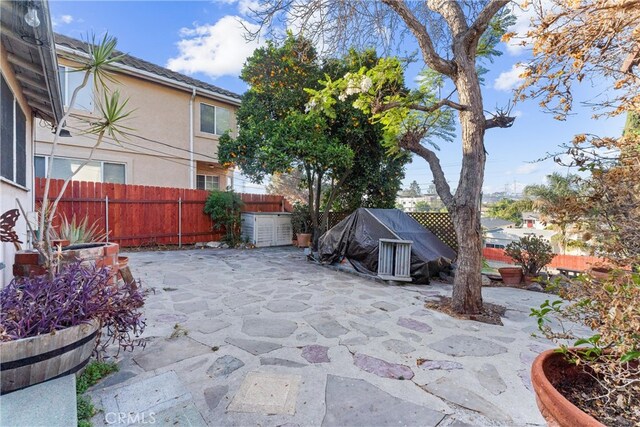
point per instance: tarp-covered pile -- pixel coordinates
(356, 239)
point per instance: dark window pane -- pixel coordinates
(200, 182)
(21, 147)
(39, 166)
(114, 173)
(207, 118)
(6, 131)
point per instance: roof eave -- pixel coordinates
(154, 77)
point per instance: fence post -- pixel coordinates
(106, 216)
(180, 222)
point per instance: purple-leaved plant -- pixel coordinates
(38, 305)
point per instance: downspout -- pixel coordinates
(191, 161)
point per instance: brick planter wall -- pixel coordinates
(29, 262)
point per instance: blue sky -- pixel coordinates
(204, 40)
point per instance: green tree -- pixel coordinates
(509, 209)
(413, 190)
(422, 206)
(278, 133)
(560, 203)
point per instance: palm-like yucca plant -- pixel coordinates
(78, 231)
(112, 113)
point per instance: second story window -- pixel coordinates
(214, 120)
(69, 81)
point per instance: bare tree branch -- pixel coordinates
(481, 23)
(411, 141)
(419, 31)
(419, 107)
(452, 13)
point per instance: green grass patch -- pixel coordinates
(93, 373)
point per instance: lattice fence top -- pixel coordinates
(439, 223)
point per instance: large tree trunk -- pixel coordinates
(467, 286)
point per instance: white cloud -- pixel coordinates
(62, 20)
(519, 43)
(527, 168)
(216, 50)
(245, 7)
(507, 80)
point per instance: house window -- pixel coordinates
(214, 120)
(207, 182)
(95, 171)
(70, 79)
(13, 138)
(494, 246)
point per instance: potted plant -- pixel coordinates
(50, 327)
(301, 223)
(531, 253)
(591, 380)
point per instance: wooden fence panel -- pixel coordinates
(145, 215)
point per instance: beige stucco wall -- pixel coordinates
(9, 191)
(157, 152)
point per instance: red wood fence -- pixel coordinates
(571, 262)
(138, 215)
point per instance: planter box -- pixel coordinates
(33, 360)
(30, 263)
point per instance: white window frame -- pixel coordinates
(215, 119)
(14, 142)
(66, 93)
(205, 175)
(47, 161)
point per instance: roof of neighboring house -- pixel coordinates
(493, 223)
(513, 234)
(33, 58)
(530, 215)
(142, 65)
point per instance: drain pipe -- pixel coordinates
(191, 167)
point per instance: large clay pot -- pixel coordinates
(304, 240)
(511, 275)
(33, 360)
(554, 407)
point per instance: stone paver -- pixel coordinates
(316, 354)
(267, 338)
(382, 368)
(345, 394)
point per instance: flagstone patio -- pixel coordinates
(263, 337)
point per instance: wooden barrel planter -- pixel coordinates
(34, 360)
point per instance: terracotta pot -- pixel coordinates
(554, 407)
(600, 273)
(530, 278)
(304, 240)
(123, 261)
(511, 275)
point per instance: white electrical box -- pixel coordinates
(267, 228)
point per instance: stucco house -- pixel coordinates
(174, 128)
(30, 98)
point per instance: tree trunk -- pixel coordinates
(467, 286)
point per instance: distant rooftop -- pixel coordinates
(493, 223)
(142, 65)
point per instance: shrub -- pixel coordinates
(224, 208)
(531, 253)
(301, 218)
(611, 309)
(39, 305)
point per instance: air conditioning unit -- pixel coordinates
(394, 260)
